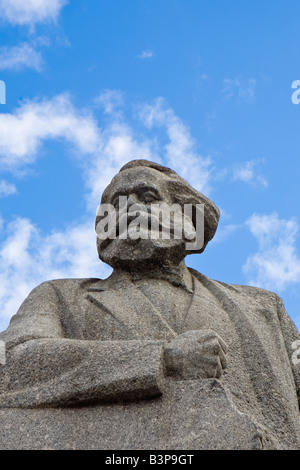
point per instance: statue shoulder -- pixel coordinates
(67, 284)
(238, 289)
(52, 291)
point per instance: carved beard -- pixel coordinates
(142, 253)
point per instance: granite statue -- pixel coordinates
(157, 355)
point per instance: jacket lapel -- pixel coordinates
(201, 312)
(128, 306)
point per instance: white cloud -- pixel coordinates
(28, 258)
(147, 54)
(6, 189)
(248, 173)
(23, 132)
(240, 89)
(276, 264)
(101, 151)
(110, 100)
(19, 57)
(30, 12)
(180, 151)
(119, 145)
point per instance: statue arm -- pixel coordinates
(44, 368)
(65, 372)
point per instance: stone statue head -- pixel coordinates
(144, 185)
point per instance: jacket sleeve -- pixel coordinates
(38, 317)
(43, 368)
(292, 342)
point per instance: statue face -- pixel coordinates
(141, 188)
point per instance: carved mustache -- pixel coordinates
(157, 224)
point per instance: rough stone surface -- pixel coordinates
(157, 356)
(181, 419)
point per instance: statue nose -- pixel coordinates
(132, 199)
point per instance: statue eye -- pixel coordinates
(148, 196)
(115, 202)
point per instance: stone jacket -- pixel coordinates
(98, 341)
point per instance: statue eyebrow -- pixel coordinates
(135, 188)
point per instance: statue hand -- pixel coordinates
(196, 354)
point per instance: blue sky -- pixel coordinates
(201, 86)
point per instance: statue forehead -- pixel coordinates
(128, 180)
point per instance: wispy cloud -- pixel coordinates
(236, 91)
(23, 131)
(276, 264)
(110, 100)
(30, 12)
(20, 57)
(101, 150)
(180, 151)
(6, 189)
(147, 54)
(242, 90)
(249, 173)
